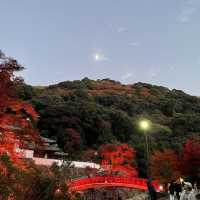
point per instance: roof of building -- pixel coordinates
(47, 140)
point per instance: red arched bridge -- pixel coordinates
(110, 181)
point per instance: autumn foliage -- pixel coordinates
(16, 116)
(164, 166)
(190, 164)
(118, 158)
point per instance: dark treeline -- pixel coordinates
(84, 114)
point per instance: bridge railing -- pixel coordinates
(138, 183)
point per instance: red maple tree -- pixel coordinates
(164, 166)
(118, 158)
(16, 116)
(190, 164)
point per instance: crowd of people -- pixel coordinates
(178, 190)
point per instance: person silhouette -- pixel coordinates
(151, 189)
(172, 190)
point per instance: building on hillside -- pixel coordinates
(49, 153)
(49, 149)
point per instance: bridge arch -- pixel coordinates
(109, 181)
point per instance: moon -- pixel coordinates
(99, 57)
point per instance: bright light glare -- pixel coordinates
(161, 188)
(99, 57)
(181, 180)
(144, 124)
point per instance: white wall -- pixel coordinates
(76, 164)
(48, 162)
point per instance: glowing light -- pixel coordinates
(181, 180)
(57, 192)
(161, 188)
(98, 57)
(144, 124)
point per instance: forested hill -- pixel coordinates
(85, 114)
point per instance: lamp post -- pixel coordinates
(145, 125)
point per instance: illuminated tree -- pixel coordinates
(191, 158)
(164, 166)
(118, 158)
(16, 117)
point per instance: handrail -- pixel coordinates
(110, 181)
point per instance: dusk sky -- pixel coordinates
(153, 41)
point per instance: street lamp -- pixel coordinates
(145, 126)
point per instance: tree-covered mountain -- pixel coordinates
(84, 114)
